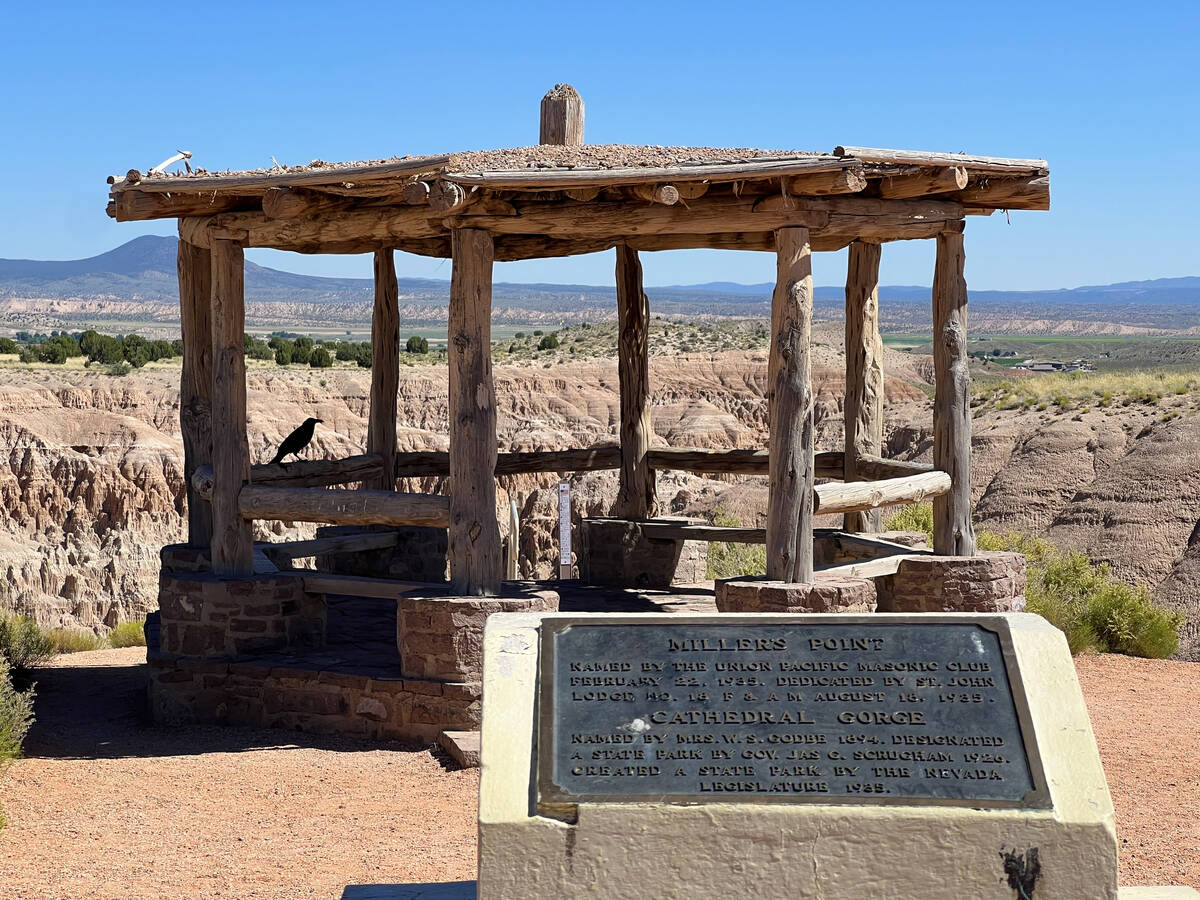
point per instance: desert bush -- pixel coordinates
(128, 634)
(729, 560)
(120, 370)
(918, 517)
(73, 640)
(320, 359)
(417, 344)
(22, 644)
(1096, 611)
(549, 342)
(16, 715)
(8, 345)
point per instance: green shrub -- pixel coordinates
(120, 370)
(73, 640)
(549, 342)
(8, 345)
(283, 354)
(320, 359)
(1096, 612)
(918, 517)
(417, 344)
(22, 644)
(729, 560)
(128, 634)
(16, 715)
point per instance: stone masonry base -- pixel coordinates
(615, 552)
(986, 583)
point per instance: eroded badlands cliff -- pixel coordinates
(91, 481)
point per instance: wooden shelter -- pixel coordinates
(562, 198)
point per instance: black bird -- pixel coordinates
(296, 441)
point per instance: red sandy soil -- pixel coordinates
(108, 806)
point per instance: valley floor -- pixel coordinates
(107, 806)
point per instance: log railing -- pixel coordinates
(291, 504)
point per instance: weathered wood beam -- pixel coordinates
(863, 408)
(448, 197)
(857, 496)
(363, 586)
(977, 164)
(515, 246)
(735, 462)
(562, 117)
(347, 543)
(726, 534)
(691, 190)
(232, 543)
(636, 494)
(196, 382)
(294, 203)
(542, 179)
(841, 181)
(434, 463)
(664, 194)
(476, 564)
(258, 182)
(791, 466)
(416, 193)
(137, 206)
(1007, 193)
(304, 473)
(953, 533)
(876, 468)
(931, 181)
(338, 507)
(583, 194)
(385, 370)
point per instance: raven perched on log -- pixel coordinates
(296, 441)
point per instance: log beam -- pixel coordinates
(791, 467)
(292, 504)
(385, 369)
(474, 541)
(664, 194)
(636, 495)
(863, 409)
(934, 181)
(196, 382)
(295, 203)
(953, 534)
(859, 496)
(232, 544)
(842, 181)
(1007, 193)
(304, 473)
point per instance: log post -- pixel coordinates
(953, 534)
(562, 117)
(791, 466)
(385, 369)
(196, 382)
(474, 545)
(232, 543)
(635, 499)
(863, 408)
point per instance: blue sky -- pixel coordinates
(1106, 93)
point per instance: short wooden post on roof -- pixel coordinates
(385, 369)
(636, 496)
(562, 117)
(474, 541)
(792, 462)
(232, 543)
(863, 408)
(196, 381)
(953, 534)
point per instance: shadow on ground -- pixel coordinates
(449, 890)
(100, 712)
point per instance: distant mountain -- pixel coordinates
(144, 269)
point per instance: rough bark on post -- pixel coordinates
(953, 534)
(635, 498)
(385, 369)
(232, 543)
(474, 545)
(562, 117)
(864, 372)
(196, 382)
(791, 466)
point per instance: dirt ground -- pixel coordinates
(108, 806)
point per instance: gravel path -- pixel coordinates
(107, 806)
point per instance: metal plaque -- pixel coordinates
(841, 712)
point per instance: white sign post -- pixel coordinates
(564, 530)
